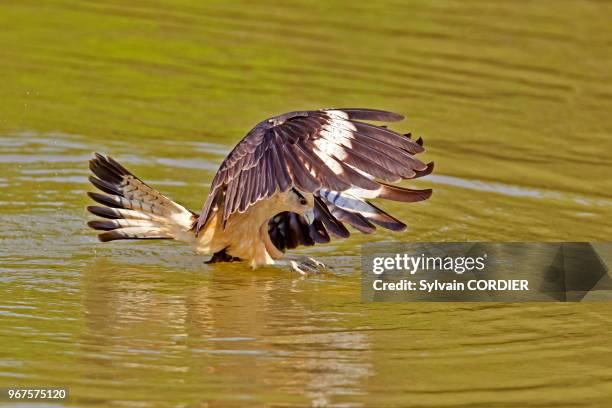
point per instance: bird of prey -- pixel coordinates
(294, 179)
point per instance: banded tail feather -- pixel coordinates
(131, 209)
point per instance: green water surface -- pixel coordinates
(513, 100)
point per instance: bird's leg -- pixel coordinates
(303, 264)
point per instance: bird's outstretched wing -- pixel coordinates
(329, 153)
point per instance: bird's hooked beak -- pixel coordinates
(309, 215)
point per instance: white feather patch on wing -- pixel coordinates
(333, 142)
(338, 113)
(328, 152)
(339, 131)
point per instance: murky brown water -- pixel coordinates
(513, 101)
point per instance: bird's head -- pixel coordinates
(301, 203)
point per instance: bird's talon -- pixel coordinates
(302, 268)
(307, 263)
(319, 264)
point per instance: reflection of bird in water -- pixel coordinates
(293, 180)
(236, 329)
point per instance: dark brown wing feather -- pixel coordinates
(324, 150)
